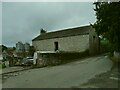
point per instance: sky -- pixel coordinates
(0, 23)
(22, 21)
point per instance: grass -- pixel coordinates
(114, 60)
(0, 66)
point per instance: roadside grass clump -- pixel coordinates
(116, 62)
(0, 66)
(3, 65)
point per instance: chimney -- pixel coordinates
(42, 31)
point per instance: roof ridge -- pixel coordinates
(58, 30)
(64, 33)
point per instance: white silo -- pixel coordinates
(27, 47)
(19, 47)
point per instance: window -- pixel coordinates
(93, 37)
(56, 46)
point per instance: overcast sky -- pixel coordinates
(0, 23)
(22, 21)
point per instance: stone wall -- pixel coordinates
(94, 42)
(77, 43)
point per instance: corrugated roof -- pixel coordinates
(64, 33)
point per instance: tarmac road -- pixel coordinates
(63, 76)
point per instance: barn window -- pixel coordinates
(56, 46)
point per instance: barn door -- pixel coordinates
(56, 46)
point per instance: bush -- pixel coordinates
(3, 65)
(105, 46)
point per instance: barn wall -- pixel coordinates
(94, 43)
(77, 43)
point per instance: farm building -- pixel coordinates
(78, 39)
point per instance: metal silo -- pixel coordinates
(19, 47)
(27, 47)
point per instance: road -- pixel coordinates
(62, 76)
(0, 76)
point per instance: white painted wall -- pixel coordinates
(74, 43)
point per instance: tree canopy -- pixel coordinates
(4, 48)
(108, 22)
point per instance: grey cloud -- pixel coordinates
(22, 21)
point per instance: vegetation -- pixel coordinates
(4, 48)
(108, 22)
(104, 46)
(3, 65)
(0, 66)
(32, 50)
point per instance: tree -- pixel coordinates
(108, 22)
(14, 48)
(32, 50)
(4, 48)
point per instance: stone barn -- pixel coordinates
(78, 39)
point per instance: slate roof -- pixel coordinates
(64, 33)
